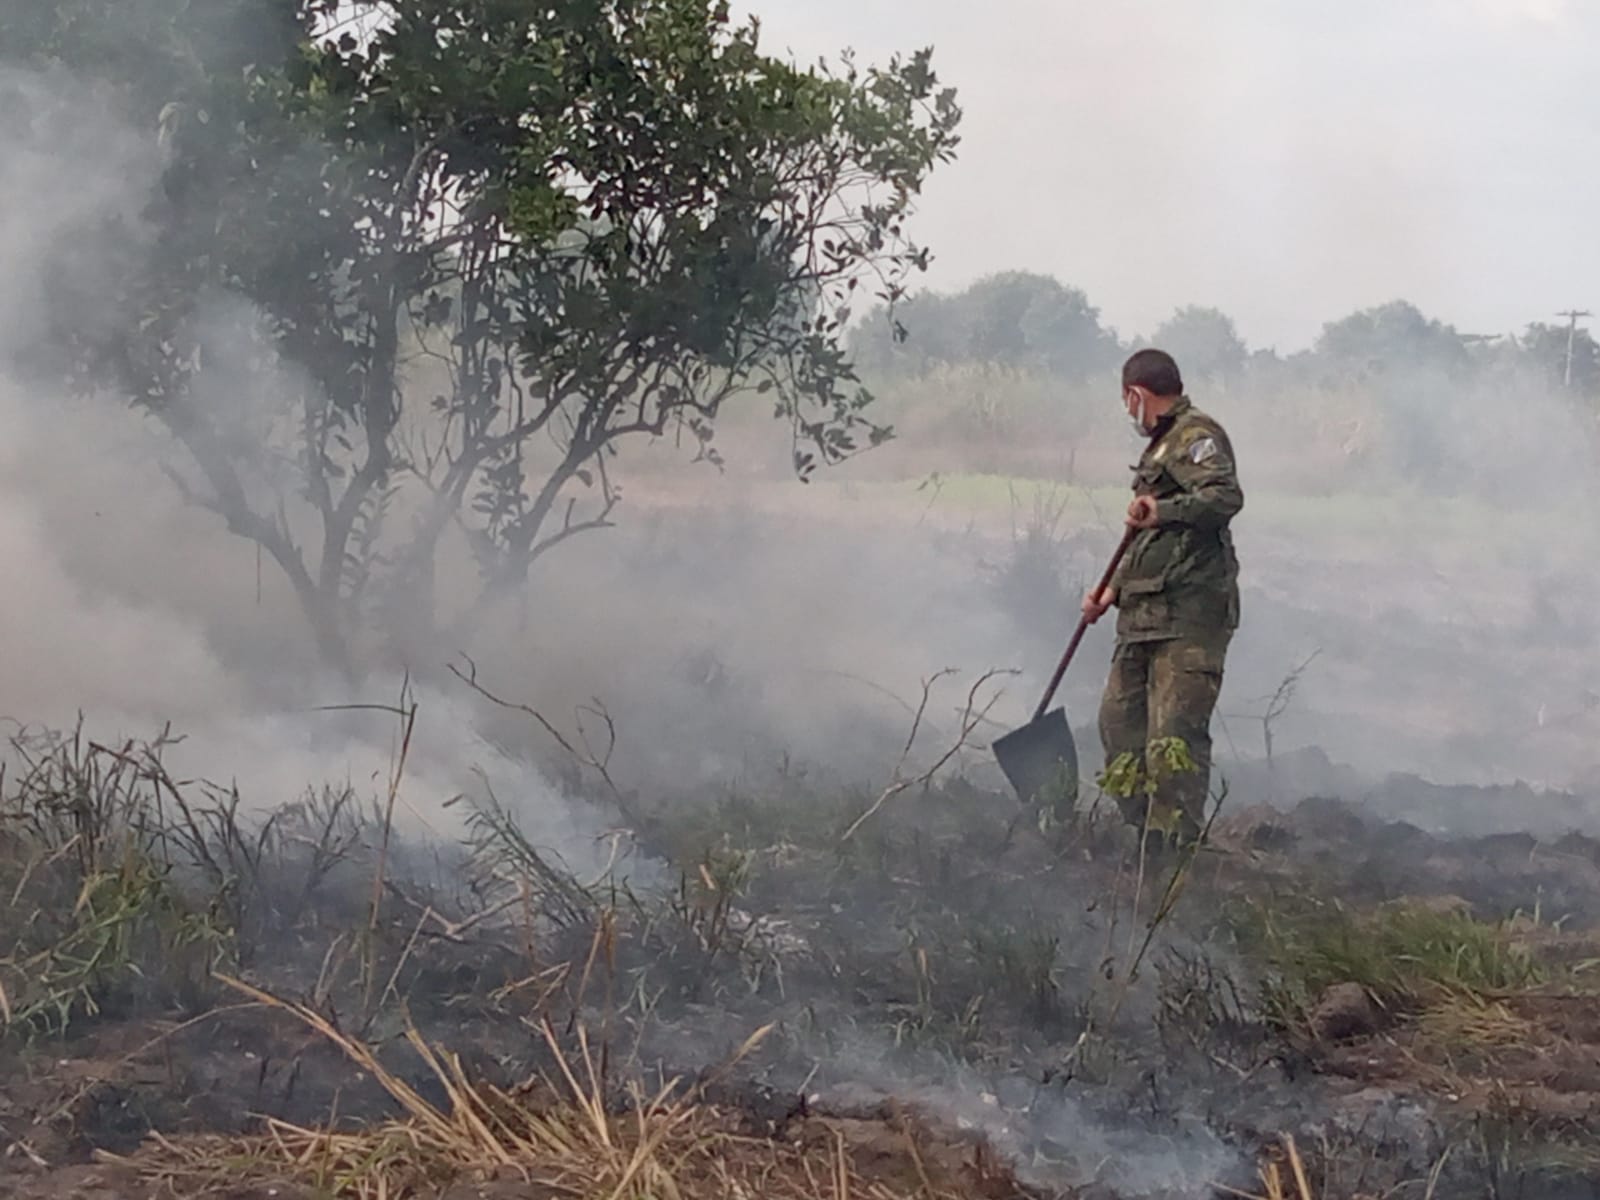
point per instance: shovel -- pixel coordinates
(1040, 759)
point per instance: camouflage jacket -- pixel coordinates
(1181, 579)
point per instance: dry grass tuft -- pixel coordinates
(1283, 1176)
(549, 1138)
(1476, 1024)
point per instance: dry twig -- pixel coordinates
(972, 716)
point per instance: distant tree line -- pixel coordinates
(1028, 321)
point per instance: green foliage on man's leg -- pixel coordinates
(1133, 781)
(1130, 776)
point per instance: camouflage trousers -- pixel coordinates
(1157, 690)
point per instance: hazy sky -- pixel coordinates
(1286, 160)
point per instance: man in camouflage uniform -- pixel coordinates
(1177, 593)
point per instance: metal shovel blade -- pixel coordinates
(1041, 759)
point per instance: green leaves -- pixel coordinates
(1130, 776)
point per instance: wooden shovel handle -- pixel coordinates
(1083, 623)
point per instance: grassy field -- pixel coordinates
(1405, 522)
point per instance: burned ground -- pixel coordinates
(942, 1000)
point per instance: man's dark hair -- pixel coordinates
(1153, 370)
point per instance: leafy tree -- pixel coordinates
(1204, 341)
(1015, 319)
(1391, 336)
(1061, 330)
(908, 338)
(583, 221)
(1412, 367)
(1545, 348)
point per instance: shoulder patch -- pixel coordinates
(1202, 449)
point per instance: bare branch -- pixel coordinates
(582, 753)
(972, 716)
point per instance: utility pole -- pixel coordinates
(1573, 316)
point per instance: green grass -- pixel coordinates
(1404, 520)
(111, 884)
(1343, 513)
(1406, 958)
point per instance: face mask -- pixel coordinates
(1136, 417)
